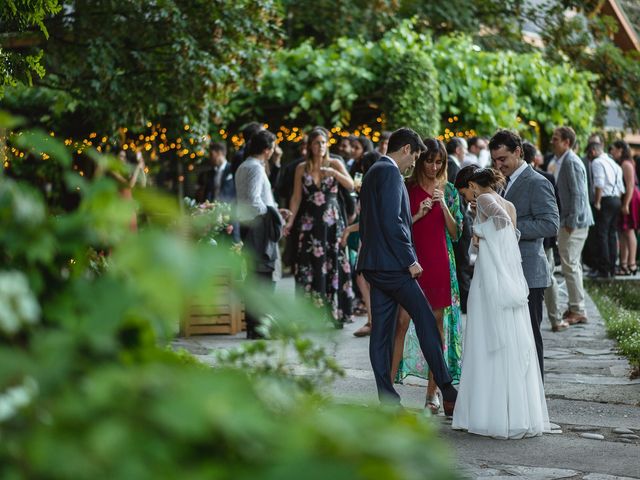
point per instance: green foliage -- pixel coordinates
(24, 14)
(89, 389)
(328, 20)
(174, 62)
(411, 95)
(619, 304)
(491, 90)
(586, 41)
(344, 83)
(582, 39)
(396, 76)
(16, 18)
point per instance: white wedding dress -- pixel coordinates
(500, 393)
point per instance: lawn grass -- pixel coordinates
(619, 305)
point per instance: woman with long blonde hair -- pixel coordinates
(322, 270)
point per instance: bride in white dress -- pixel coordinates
(501, 393)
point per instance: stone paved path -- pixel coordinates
(593, 404)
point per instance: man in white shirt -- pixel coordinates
(608, 186)
(257, 214)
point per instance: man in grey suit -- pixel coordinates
(534, 199)
(575, 218)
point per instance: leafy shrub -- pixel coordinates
(622, 323)
(630, 346)
(411, 94)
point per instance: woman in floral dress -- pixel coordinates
(322, 269)
(437, 223)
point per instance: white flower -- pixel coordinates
(18, 304)
(17, 397)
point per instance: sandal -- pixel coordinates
(622, 270)
(359, 311)
(433, 404)
(633, 269)
(363, 331)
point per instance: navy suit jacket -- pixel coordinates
(227, 185)
(385, 220)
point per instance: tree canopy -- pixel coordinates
(174, 61)
(19, 19)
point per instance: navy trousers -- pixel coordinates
(536, 299)
(388, 290)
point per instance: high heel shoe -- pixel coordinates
(433, 404)
(633, 269)
(623, 271)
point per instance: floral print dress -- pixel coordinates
(413, 362)
(323, 272)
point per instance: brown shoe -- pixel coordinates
(363, 331)
(560, 326)
(566, 313)
(575, 318)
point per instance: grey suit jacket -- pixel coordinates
(535, 202)
(573, 193)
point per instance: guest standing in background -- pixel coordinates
(359, 146)
(630, 219)
(575, 218)
(608, 187)
(217, 182)
(257, 213)
(552, 292)
(322, 269)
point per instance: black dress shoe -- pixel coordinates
(597, 274)
(253, 335)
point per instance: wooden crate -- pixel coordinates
(222, 313)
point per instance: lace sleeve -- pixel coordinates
(489, 207)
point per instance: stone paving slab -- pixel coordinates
(589, 379)
(496, 472)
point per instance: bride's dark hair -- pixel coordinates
(488, 177)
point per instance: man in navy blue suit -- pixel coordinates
(389, 263)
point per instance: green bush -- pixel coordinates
(616, 302)
(89, 388)
(411, 94)
(349, 82)
(630, 346)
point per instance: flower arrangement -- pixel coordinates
(211, 220)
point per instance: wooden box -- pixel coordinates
(222, 313)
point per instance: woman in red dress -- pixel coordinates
(436, 222)
(630, 218)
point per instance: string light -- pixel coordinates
(155, 141)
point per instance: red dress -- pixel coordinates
(631, 221)
(430, 240)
